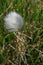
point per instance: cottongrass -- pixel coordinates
(14, 22)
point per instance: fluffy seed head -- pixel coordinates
(13, 21)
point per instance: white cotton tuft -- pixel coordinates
(13, 21)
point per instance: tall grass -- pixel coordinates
(22, 50)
